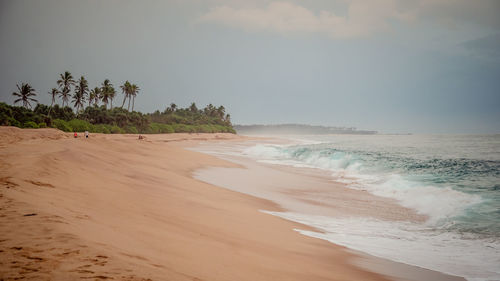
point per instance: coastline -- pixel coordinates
(114, 207)
(306, 193)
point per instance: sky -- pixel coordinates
(414, 66)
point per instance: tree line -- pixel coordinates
(104, 93)
(93, 114)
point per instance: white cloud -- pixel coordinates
(362, 18)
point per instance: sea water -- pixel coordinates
(452, 179)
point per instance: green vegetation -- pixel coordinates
(92, 117)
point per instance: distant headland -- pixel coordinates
(297, 129)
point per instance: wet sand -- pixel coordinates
(309, 191)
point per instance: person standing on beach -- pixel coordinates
(86, 134)
(75, 135)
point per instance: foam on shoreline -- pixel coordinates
(391, 233)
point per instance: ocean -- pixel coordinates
(454, 180)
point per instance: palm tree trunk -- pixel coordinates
(133, 102)
(50, 109)
(128, 108)
(124, 98)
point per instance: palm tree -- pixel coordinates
(209, 110)
(65, 84)
(80, 95)
(126, 92)
(193, 107)
(25, 94)
(134, 90)
(220, 112)
(94, 96)
(54, 92)
(98, 95)
(78, 100)
(170, 109)
(107, 93)
(104, 98)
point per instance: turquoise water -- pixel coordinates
(467, 164)
(452, 179)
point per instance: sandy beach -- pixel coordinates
(115, 207)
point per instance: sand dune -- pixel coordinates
(114, 207)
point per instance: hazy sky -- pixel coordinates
(422, 66)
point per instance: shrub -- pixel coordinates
(61, 125)
(101, 128)
(11, 122)
(42, 125)
(131, 130)
(204, 129)
(153, 128)
(116, 130)
(166, 129)
(5, 114)
(180, 128)
(30, 124)
(79, 125)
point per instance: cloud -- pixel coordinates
(277, 16)
(283, 17)
(362, 18)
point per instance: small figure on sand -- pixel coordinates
(141, 137)
(75, 135)
(86, 134)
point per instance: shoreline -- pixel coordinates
(298, 190)
(114, 207)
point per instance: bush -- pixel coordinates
(5, 114)
(180, 128)
(61, 125)
(154, 128)
(80, 125)
(157, 128)
(166, 129)
(204, 129)
(116, 130)
(131, 130)
(42, 125)
(30, 124)
(101, 128)
(11, 122)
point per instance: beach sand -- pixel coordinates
(115, 207)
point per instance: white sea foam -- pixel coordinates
(410, 243)
(436, 244)
(436, 202)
